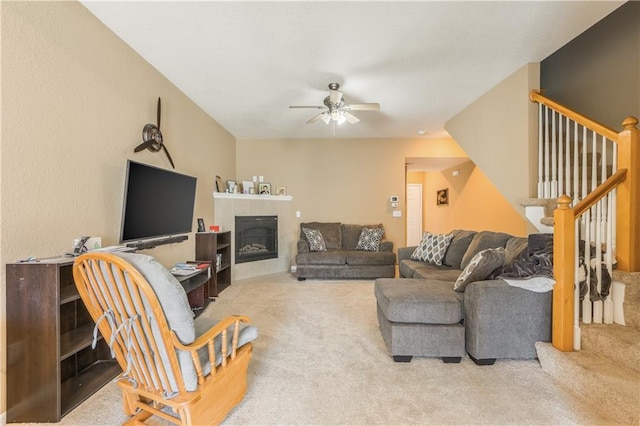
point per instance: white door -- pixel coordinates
(414, 214)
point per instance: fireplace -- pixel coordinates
(256, 238)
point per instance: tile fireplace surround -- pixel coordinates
(227, 206)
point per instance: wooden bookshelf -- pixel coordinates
(51, 367)
(208, 246)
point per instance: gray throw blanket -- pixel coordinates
(535, 260)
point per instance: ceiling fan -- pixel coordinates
(152, 138)
(336, 110)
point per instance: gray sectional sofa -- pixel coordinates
(421, 314)
(341, 259)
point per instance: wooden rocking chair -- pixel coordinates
(184, 371)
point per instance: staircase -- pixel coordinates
(588, 197)
(605, 373)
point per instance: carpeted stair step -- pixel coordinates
(612, 390)
(618, 343)
(548, 205)
(631, 297)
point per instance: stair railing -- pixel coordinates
(597, 170)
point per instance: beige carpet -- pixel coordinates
(320, 360)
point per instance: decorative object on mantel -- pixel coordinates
(152, 138)
(232, 187)
(281, 190)
(248, 187)
(264, 188)
(442, 196)
(219, 185)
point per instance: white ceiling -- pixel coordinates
(244, 62)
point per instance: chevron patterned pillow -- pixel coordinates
(432, 248)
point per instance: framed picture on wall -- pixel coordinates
(442, 196)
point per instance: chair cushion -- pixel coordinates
(175, 305)
(418, 301)
(247, 334)
(169, 292)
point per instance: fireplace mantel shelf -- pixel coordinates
(252, 196)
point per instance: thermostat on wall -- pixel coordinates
(393, 199)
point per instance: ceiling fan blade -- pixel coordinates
(166, 151)
(304, 106)
(352, 119)
(143, 146)
(158, 113)
(364, 107)
(317, 117)
(335, 97)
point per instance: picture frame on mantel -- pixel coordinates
(219, 185)
(264, 188)
(281, 190)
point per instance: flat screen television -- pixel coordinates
(157, 203)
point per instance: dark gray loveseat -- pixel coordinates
(425, 316)
(341, 259)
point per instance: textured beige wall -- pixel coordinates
(474, 203)
(342, 180)
(496, 132)
(74, 101)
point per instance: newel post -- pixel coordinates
(628, 198)
(564, 274)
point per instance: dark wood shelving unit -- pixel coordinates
(197, 287)
(51, 367)
(208, 246)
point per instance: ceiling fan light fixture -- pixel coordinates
(341, 118)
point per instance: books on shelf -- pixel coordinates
(188, 268)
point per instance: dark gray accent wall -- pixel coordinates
(598, 73)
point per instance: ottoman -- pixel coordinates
(419, 317)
